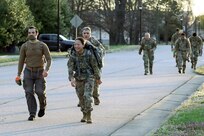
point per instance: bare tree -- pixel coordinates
(120, 17)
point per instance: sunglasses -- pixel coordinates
(86, 33)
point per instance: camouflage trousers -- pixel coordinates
(34, 83)
(182, 58)
(194, 57)
(96, 90)
(148, 58)
(84, 90)
(175, 56)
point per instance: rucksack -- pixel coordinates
(95, 51)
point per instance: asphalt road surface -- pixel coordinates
(125, 94)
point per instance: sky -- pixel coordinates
(198, 7)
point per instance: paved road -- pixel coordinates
(131, 104)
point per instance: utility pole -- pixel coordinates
(140, 10)
(58, 24)
(157, 17)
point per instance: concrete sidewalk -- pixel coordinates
(146, 123)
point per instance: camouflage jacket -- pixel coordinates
(148, 45)
(175, 37)
(98, 45)
(196, 42)
(83, 66)
(183, 44)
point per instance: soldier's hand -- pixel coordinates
(18, 80)
(73, 83)
(45, 73)
(98, 82)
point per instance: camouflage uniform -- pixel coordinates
(83, 68)
(148, 47)
(174, 37)
(101, 49)
(196, 46)
(182, 49)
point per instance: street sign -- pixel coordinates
(76, 21)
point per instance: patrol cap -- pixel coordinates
(194, 34)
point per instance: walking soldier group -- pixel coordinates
(84, 68)
(187, 49)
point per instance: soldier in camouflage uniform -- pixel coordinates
(86, 33)
(196, 47)
(148, 46)
(175, 37)
(83, 73)
(33, 55)
(182, 49)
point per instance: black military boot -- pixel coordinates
(146, 72)
(150, 70)
(195, 66)
(184, 70)
(31, 118)
(192, 65)
(179, 70)
(41, 112)
(84, 117)
(89, 121)
(96, 101)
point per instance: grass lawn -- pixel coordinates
(200, 70)
(4, 58)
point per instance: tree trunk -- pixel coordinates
(120, 20)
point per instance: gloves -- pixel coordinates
(18, 81)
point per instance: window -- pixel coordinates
(45, 37)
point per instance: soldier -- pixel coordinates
(182, 49)
(148, 46)
(175, 37)
(83, 73)
(86, 33)
(34, 53)
(196, 46)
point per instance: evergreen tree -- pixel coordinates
(45, 13)
(15, 18)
